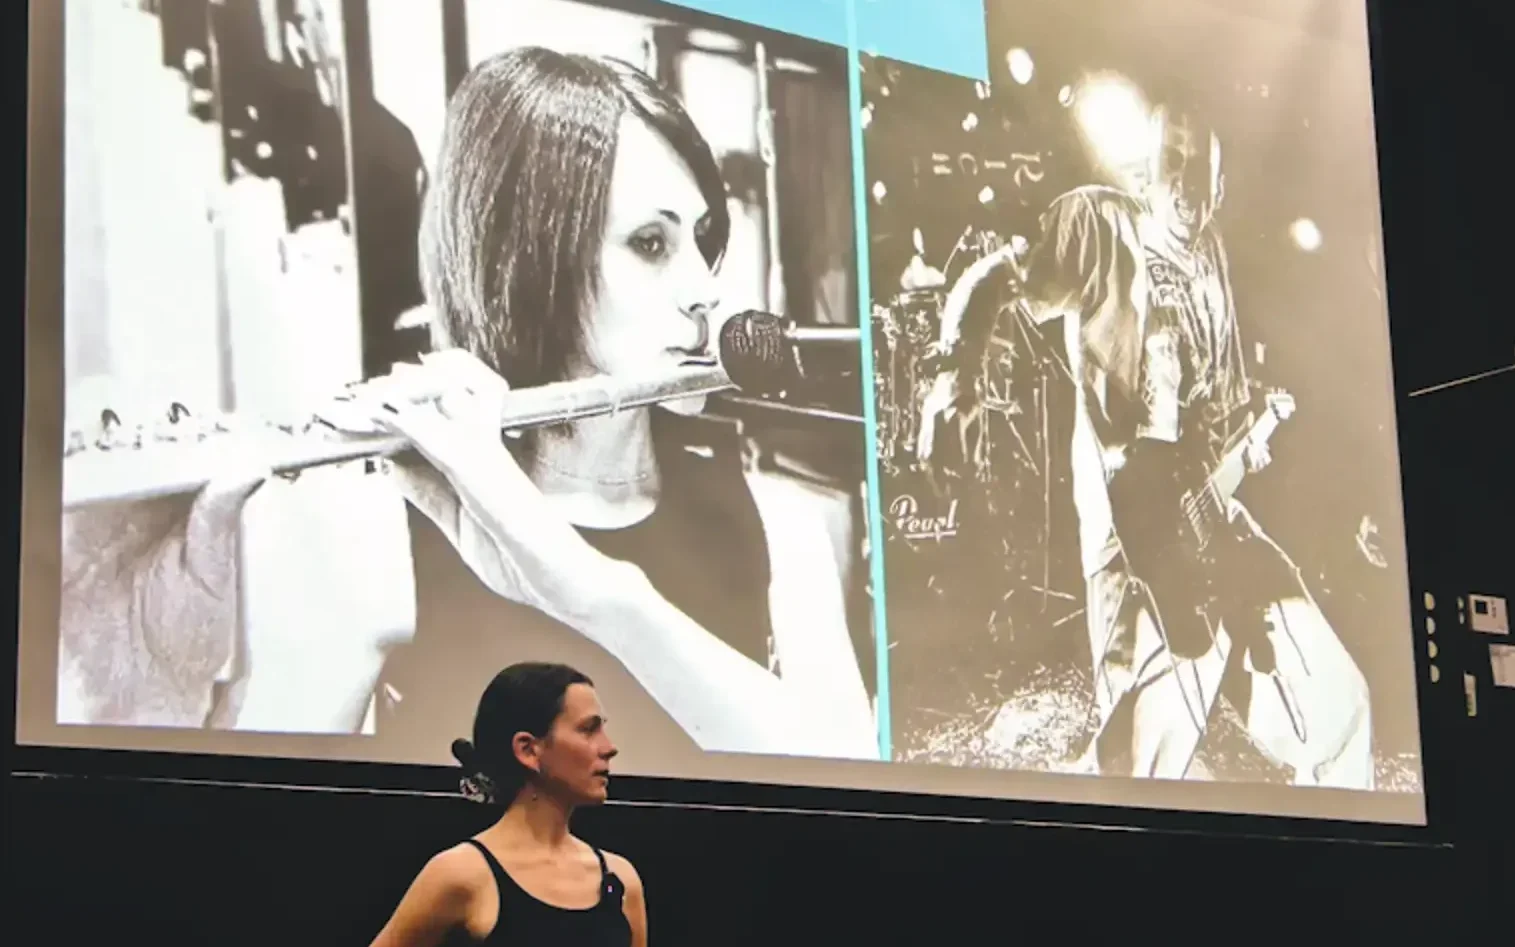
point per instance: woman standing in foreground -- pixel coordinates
(539, 748)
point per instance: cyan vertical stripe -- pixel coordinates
(874, 510)
(945, 35)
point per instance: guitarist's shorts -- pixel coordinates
(1130, 649)
(1124, 640)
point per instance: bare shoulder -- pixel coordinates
(463, 858)
(622, 868)
(455, 875)
(801, 491)
(439, 900)
(1096, 198)
(802, 515)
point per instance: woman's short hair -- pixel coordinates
(525, 697)
(515, 218)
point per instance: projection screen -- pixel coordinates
(1074, 477)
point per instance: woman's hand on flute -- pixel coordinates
(474, 490)
(471, 486)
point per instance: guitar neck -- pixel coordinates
(1232, 470)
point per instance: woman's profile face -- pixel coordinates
(575, 757)
(655, 295)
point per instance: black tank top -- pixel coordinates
(525, 921)
(703, 549)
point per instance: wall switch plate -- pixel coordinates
(1489, 614)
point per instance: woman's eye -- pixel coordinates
(652, 246)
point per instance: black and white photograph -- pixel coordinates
(1134, 410)
(319, 254)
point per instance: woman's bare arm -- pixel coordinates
(148, 605)
(813, 548)
(721, 698)
(297, 592)
(331, 590)
(480, 498)
(634, 905)
(437, 902)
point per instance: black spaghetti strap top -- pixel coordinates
(703, 548)
(525, 921)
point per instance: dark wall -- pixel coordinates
(200, 865)
(1447, 216)
(95, 860)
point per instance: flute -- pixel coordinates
(178, 454)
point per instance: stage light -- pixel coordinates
(1021, 66)
(1065, 96)
(1114, 120)
(1305, 234)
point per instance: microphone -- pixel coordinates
(771, 330)
(177, 457)
(778, 343)
(771, 341)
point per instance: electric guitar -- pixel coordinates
(1172, 514)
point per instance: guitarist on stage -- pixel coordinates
(1183, 587)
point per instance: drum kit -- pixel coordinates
(1000, 465)
(905, 331)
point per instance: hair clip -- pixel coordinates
(477, 788)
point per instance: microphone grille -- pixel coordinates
(755, 353)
